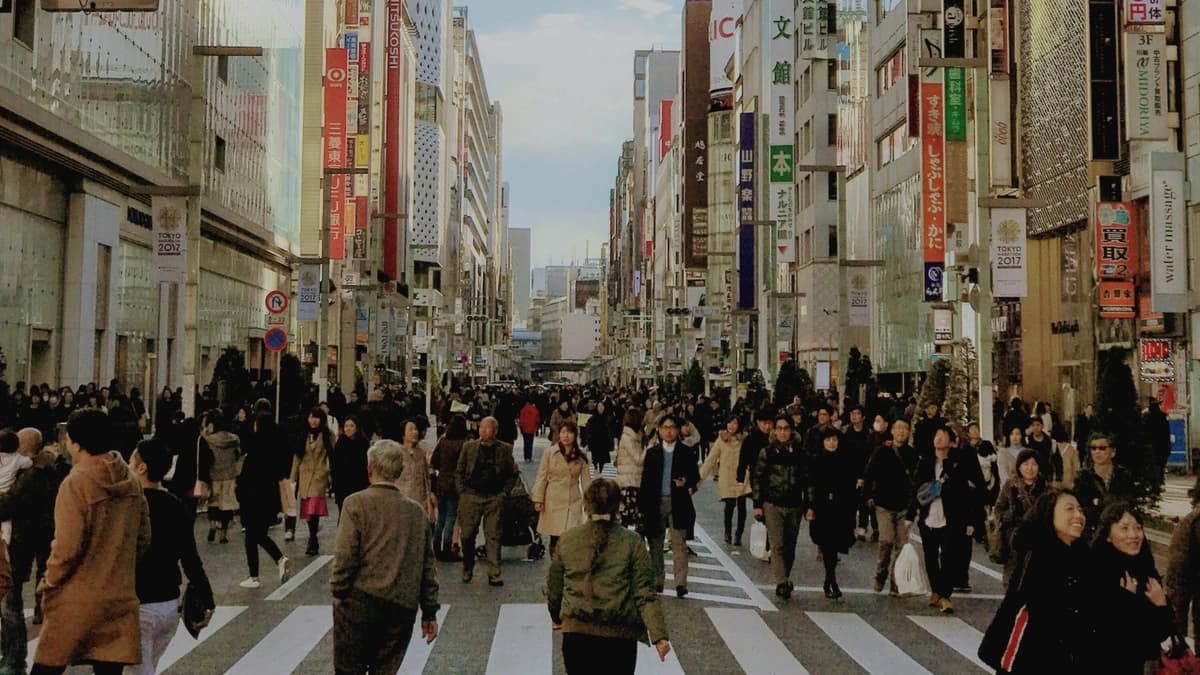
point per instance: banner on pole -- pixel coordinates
(308, 289)
(169, 229)
(1010, 260)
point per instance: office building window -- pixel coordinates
(833, 186)
(833, 241)
(885, 7)
(893, 144)
(24, 19)
(831, 130)
(219, 153)
(831, 74)
(891, 72)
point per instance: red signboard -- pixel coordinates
(1116, 240)
(664, 129)
(335, 146)
(391, 139)
(1117, 300)
(933, 173)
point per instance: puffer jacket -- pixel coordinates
(630, 455)
(226, 450)
(723, 461)
(781, 476)
(623, 602)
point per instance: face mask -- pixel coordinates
(880, 427)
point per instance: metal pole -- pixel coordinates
(278, 380)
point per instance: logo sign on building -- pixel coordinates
(722, 43)
(745, 201)
(1157, 362)
(998, 36)
(1168, 233)
(1000, 126)
(859, 295)
(393, 89)
(933, 187)
(956, 104)
(814, 26)
(169, 230)
(954, 19)
(1009, 255)
(783, 126)
(1145, 12)
(1117, 300)
(943, 326)
(335, 100)
(1146, 86)
(1116, 240)
(308, 302)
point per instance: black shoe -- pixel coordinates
(828, 591)
(783, 590)
(658, 589)
(728, 539)
(212, 534)
(312, 548)
(496, 582)
(681, 591)
(467, 576)
(834, 591)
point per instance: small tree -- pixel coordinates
(859, 372)
(693, 381)
(231, 380)
(792, 381)
(934, 389)
(962, 395)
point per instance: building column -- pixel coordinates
(89, 301)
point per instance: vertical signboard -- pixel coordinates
(308, 302)
(1009, 256)
(1000, 125)
(956, 104)
(721, 42)
(1145, 86)
(664, 128)
(783, 129)
(335, 147)
(693, 174)
(1145, 12)
(933, 191)
(1168, 234)
(860, 299)
(1116, 243)
(813, 27)
(362, 114)
(746, 290)
(391, 138)
(998, 36)
(169, 228)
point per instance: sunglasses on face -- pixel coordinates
(1099, 447)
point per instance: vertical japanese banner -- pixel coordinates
(1146, 86)
(362, 151)
(746, 289)
(335, 147)
(1010, 260)
(933, 187)
(664, 129)
(1168, 233)
(169, 226)
(781, 139)
(1116, 241)
(391, 139)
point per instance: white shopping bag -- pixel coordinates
(758, 541)
(910, 572)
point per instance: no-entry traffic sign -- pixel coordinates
(275, 339)
(277, 302)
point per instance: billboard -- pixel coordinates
(335, 100)
(394, 53)
(1010, 259)
(1146, 86)
(745, 201)
(722, 42)
(1168, 233)
(933, 187)
(1116, 241)
(694, 172)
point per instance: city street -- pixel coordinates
(730, 622)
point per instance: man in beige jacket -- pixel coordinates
(383, 570)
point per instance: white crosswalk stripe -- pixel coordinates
(867, 646)
(956, 633)
(183, 643)
(523, 642)
(285, 647)
(418, 650)
(754, 646)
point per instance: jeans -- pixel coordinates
(256, 535)
(370, 634)
(443, 531)
(158, 622)
(893, 533)
(13, 638)
(585, 654)
(783, 529)
(528, 438)
(679, 557)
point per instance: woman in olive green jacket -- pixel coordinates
(601, 590)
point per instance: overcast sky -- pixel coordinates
(563, 72)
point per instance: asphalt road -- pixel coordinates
(730, 623)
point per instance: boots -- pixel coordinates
(728, 539)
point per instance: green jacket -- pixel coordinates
(781, 476)
(624, 602)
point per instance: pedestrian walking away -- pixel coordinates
(601, 593)
(383, 571)
(443, 464)
(258, 495)
(631, 455)
(529, 421)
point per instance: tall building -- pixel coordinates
(522, 285)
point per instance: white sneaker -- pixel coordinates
(252, 582)
(284, 571)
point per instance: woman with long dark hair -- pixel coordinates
(258, 496)
(444, 462)
(723, 461)
(601, 590)
(310, 472)
(349, 462)
(631, 453)
(831, 514)
(414, 479)
(562, 478)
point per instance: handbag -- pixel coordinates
(1001, 644)
(928, 492)
(1178, 659)
(200, 489)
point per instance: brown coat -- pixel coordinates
(101, 527)
(559, 487)
(311, 472)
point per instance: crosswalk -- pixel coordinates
(523, 642)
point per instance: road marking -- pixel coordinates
(300, 577)
(727, 599)
(752, 643)
(987, 570)
(871, 591)
(523, 642)
(706, 580)
(956, 633)
(867, 646)
(183, 643)
(648, 662)
(697, 566)
(418, 651)
(285, 647)
(756, 596)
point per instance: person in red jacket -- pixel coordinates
(529, 421)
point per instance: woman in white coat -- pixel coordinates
(562, 478)
(631, 453)
(723, 462)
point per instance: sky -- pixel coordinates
(563, 72)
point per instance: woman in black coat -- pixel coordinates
(348, 465)
(1137, 617)
(258, 495)
(831, 514)
(598, 433)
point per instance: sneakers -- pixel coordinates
(289, 535)
(860, 533)
(934, 600)
(284, 569)
(945, 606)
(252, 582)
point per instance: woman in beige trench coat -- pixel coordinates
(723, 461)
(562, 478)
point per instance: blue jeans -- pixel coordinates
(447, 513)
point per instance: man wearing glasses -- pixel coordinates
(1103, 482)
(781, 498)
(670, 476)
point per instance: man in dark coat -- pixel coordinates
(669, 479)
(781, 497)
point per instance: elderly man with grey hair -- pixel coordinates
(485, 473)
(383, 571)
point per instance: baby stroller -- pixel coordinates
(518, 523)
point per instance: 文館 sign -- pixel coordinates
(1168, 234)
(1009, 256)
(781, 138)
(169, 230)
(1145, 86)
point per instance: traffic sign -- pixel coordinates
(276, 320)
(277, 302)
(275, 339)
